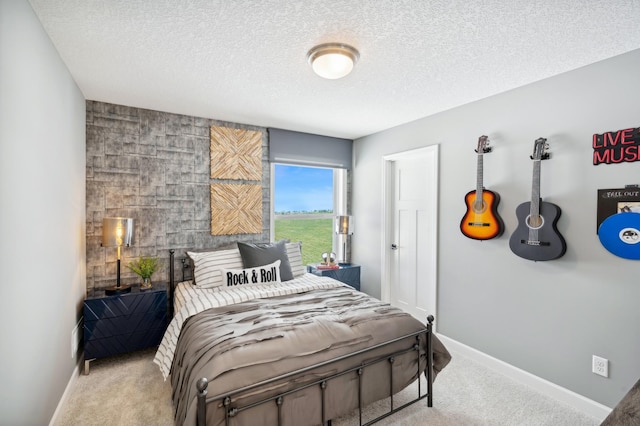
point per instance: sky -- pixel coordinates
(299, 188)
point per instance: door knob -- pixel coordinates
(394, 247)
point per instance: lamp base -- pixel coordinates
(110, 291)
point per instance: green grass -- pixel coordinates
(315, 234)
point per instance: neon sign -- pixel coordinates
(622, 146)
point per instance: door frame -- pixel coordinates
(431, 152)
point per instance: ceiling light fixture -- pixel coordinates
(333, 60)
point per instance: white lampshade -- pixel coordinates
(333, 60)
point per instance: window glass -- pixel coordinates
(303, 208)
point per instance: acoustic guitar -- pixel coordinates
(481, 220)
(537, 237)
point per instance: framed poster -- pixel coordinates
(617, 200)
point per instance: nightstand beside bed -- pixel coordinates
(124, 322)
(348, 274)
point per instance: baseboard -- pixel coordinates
(575, 400)
(68, 389)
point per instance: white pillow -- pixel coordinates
(207, 266)
(294, 253)
(267, 274)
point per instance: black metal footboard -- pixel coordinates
(278, 399)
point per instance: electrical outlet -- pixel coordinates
(600, 366)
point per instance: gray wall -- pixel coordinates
(42, 218)
(547, 318)
(154, 167)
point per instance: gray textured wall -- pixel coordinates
(154, 167)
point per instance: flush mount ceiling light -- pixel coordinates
(332, 60)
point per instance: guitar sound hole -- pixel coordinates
(535, 222)
(479, 206)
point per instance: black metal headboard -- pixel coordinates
(186, 275)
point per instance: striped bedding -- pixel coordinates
(190, 300)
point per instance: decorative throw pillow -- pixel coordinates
(267, 274)
(192, 266)
(260, 254)
(208, 266)
(294, 252)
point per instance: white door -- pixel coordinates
(411, 237)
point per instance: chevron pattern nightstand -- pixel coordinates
(124, 323)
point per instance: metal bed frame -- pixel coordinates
(232, 410)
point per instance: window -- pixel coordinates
(304, 205)
(309, 177)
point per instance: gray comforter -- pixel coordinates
(238, 345)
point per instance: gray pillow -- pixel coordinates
(260, 254)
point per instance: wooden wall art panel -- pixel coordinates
(236, 154)
(236, 209)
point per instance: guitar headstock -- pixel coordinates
(483, 145)
(540, 150)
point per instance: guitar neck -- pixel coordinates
(535, 190)
(479, 184)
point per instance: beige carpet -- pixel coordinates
(129, 391)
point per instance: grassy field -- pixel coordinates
(315, 234)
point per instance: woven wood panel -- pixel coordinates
(236, 154)
(236, 209)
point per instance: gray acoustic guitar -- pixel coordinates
(537, 237)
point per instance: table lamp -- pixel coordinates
(344, 228)
(117, 232)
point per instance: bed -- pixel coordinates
(248, 347)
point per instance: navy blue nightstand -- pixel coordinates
(348, 274)
(123, 323)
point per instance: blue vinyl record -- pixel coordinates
(620, 234)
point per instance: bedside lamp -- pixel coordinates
(117, 232)
(344, 228)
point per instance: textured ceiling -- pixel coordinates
(244, 61)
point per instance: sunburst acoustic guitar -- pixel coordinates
(481, 220)
(537, 237)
